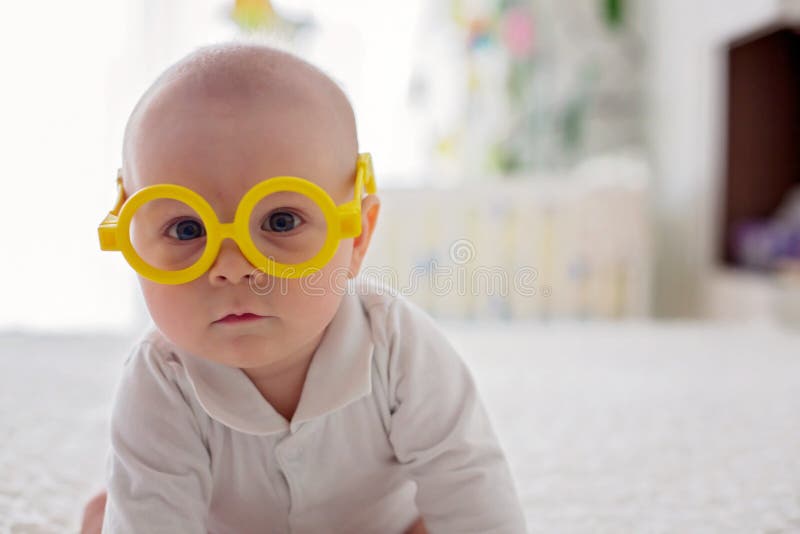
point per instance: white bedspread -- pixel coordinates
(608, 427)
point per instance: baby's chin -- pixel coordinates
(245, 351)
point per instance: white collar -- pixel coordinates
(339, 374)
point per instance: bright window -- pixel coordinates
(73, 72)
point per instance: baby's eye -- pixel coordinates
(281, 221)
(186, 230)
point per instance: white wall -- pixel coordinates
(56, 166)
(686, 100)
(73, 72)
(72, 76)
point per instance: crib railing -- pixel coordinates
(575, 248)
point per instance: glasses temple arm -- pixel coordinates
(351, 211)
(107, 228)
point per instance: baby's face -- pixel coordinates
(220, 149)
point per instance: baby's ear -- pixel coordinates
(370, 207)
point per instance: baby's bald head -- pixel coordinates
(237, 111)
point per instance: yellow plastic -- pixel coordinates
(344, 221)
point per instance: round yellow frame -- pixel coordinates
(344, 221)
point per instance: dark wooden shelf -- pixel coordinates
(763, 128)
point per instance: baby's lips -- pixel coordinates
(239, 314)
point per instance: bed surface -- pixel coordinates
(608, 427)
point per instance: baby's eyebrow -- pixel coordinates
(164, 208)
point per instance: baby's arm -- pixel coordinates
(158, 476)
(441, 431)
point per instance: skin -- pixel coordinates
(220, 121)
(254, 137)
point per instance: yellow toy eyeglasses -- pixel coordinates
(285, 226)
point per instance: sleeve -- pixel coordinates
(441, 431)
(158, 466)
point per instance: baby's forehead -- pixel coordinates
(243, 115)
(215, 146)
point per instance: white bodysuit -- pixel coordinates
(389, 427)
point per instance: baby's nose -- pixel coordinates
(230, 266)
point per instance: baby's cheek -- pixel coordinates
(313, 301)
(310, 295)
(168, 308)
(337, 272)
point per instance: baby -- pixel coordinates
(278, 392)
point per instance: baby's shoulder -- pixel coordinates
(390, 313)
(381, 302)
(375, 297)
(152, 353)
(408, 344)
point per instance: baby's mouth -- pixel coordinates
(240, 318)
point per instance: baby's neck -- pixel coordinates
(283, 387)
(284, 396)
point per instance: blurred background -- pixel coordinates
(598, 199)
(637, 159)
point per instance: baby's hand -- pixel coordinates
(93, 514)
(417, 528)
(94, 510)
